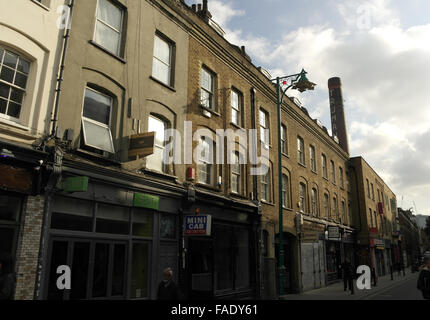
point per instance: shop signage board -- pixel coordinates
(75, 184)
(333, 232)
(198, 225)
(147, 201)
(141, 145)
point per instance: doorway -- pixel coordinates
(200, 262)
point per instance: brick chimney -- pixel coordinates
(204, 11)
(337, 112)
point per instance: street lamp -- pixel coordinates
(301, 83)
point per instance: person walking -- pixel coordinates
(348, 276)
(7, 277)
(423, 283)
(167, 289)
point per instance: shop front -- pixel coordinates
(115, 239)
(222, 263)
(333, 254)
(378, 249)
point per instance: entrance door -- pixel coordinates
(98, 269)
(200, 262)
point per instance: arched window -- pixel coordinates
(326, 206)
(301, 150)
(314, 197)
(302, 197)
(156, 160)
(13, 83)
(335, 215)
(206, 161)
(285, 191)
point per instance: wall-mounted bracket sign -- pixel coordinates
(333, 232)
(141, 145)
(198, 225)
(147, 201)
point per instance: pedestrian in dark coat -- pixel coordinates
(167, 289)
(424, 279)
(7, 277)
(348, 276)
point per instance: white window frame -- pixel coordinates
(237, 174)
(302, 197)
(341, 182)
(210, 91)
(285, 191)
(333, 171)
(120, 32)
(207, 164)
(314, 199)
(301, 150)
(266, 183)
(100, 124)
(335, 209)
(164, 168)
(326, 206)
(324, 166)
(14, 86)
(264, 127)
(284, 140)
(238, 109)
(312, 156)
(169, 66)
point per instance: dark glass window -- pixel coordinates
(142, 223)
(118, 276)
(10, 207)
(112, 219)
(81, 258)
(101, 272)
(167, 226)
(58, 258)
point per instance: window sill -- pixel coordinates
(208, 187)
(157, 174)
(288, 209)
(326, 179)
(40, 5)
(13, 124)
(162, 83)
(237, 126)
(268, 203)
(210, 110)
(301, 164)
(238, 195)
(313, 171)
(94, 156)
(285, 155)
(107, 51)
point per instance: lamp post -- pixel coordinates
(301, 83)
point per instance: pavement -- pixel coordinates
(400, 288)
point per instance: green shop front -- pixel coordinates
(116, 235)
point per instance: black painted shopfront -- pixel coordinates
(115, 246)
(224, 264)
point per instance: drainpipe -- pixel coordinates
(62, 67)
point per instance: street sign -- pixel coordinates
(198, 225)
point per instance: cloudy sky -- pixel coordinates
(381, 51)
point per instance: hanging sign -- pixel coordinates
(198, 225)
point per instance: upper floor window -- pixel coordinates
(285, 191)
(207, 89)
(266, 182)
(335, 209)
(341, 182)
(373, 191)
(96, 121)
(284, 141)
(302, 197)
(326, 206)
(264, 127)
(236, 173)
(314, 198)
(109, 26)
(163, 61)
(236, 107)
(206, 171)
(324, 165)
(301, 150)
(156, 160)
(343, 212)
(333, 172)
(13, 83)
(368, 187)
(313, 159)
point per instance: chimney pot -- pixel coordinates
(205, 5)
(199, 7)
(194, 7)
(337, 112)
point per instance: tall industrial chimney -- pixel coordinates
(337, 112)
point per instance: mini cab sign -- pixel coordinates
(198, 225)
